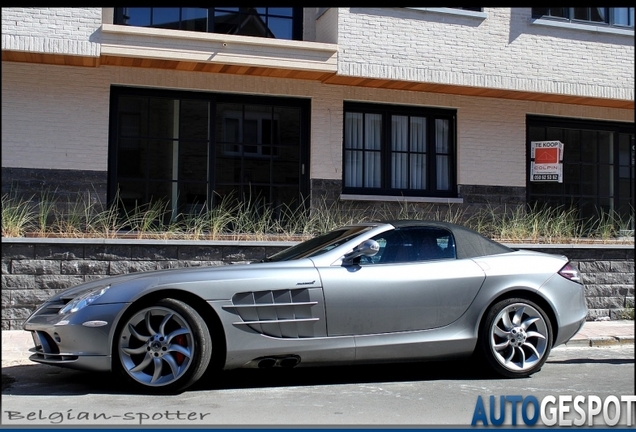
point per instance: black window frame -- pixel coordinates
(567, 199)
(387, 111)
(570, 15)
(215, 99)
(296, 19)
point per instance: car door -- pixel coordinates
(405, 287)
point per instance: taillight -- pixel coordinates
(570, 272)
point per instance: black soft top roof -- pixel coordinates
(468, 243)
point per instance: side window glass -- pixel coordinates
(395, 247)
(412, 245)
(434, 244)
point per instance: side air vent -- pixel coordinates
(281, 313)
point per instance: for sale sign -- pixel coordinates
(546, 161)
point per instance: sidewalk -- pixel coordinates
(604, 333)
(16, 343)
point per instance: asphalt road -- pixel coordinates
(418, 394)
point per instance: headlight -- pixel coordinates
(83, 300)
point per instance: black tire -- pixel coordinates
(515, 337)
(163, 347)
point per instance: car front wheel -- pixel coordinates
(164, 347)
(516, 337)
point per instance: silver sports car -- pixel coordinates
(371, 292)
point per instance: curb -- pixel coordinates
(601, 341)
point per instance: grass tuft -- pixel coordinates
(252, 218)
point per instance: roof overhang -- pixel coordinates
(242, 55)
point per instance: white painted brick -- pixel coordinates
(54, 117)
(57, 117)
(503, 51)
(52, 30)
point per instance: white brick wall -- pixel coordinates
(72, 31)
(54, 117)
(491, 132)
(327, 25)
(57, 117)
(504, 51)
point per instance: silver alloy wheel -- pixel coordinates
(519, 337)
(156, 346)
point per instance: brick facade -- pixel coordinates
(65, 125)
(501, 48)
(59, 30)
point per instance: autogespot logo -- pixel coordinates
(562, 410)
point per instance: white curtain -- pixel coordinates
(373, 142)
(353, 149)
(399, 149)
(418, 155)
(408, 152)
(362, 141)
(442, 151)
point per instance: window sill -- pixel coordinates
(583, 27)
(452, 11)
(403, 199)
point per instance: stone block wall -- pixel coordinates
(609, 287)
(32, 271)
(35, 269)
(608, 275)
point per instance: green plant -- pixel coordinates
(104, 221)
(254, 218)
(326, 215)
(17, 215)
(149, 218)
(531, 224)
(70, 220)
(46, 207)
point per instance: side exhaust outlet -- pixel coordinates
(267, 363)
(289, 362)
(284, 362)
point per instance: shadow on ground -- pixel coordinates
(40, 379)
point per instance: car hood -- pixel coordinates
(125, 288)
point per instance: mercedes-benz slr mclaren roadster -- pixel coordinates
(371, 292)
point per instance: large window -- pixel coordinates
(270, 22)
(192, 149)
(620, 16)
(598, 166)
(397, 150)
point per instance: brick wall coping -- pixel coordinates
(149, 242)
(138, 242)
(569, 246)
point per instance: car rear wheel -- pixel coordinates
(516, 337)
(164, 347)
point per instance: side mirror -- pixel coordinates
(366, 248)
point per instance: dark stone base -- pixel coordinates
(325, 191)
(476, 198)
(493, 195)
(62, 186)
(69, 185)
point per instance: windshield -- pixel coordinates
(318, 245)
